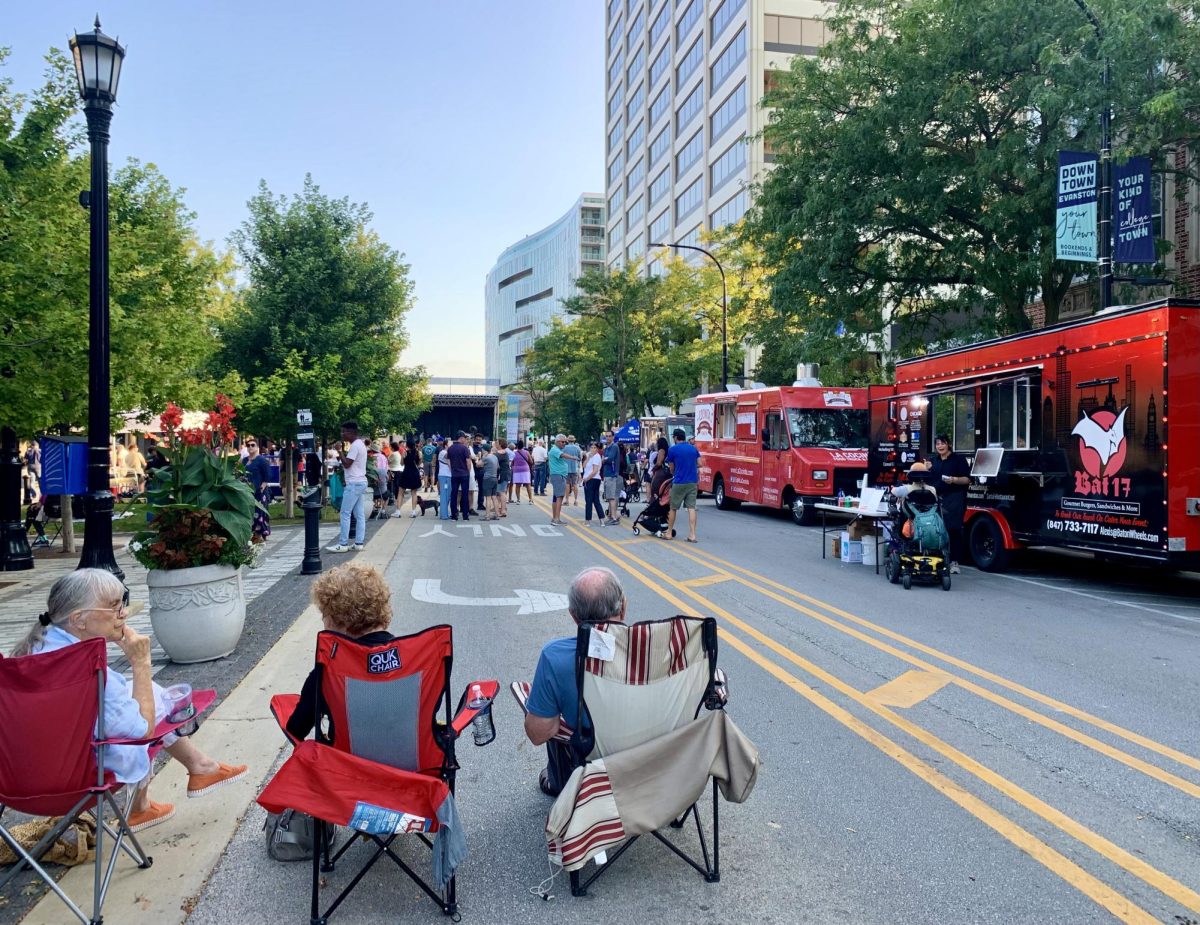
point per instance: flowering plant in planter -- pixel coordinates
(201, 511)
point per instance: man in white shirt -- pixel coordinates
(354, 463)
(541, 468)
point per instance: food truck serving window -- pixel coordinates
(954, 415)
(833, 428)
(726, 423)
(1009, 414)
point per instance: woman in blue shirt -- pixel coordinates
(258, 471)
(92, 603)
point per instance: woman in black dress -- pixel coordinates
(258, 471)
(410, 477)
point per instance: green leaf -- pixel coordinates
(237, 526)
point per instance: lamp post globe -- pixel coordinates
(98, 60)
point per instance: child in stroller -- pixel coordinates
(918, 541)
(653, 516)
(631, 491)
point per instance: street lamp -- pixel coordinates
(724, 308)
(98, 68)
(1105, 205)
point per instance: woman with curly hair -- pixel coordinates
(356, 603)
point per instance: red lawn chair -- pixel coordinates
(52, 758)
(388, 768)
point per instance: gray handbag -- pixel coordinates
(290, 835)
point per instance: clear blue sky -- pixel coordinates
(464, 125)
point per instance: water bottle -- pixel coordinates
(841, 499)
(482, 727)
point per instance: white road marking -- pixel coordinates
(1098, 597)
(429, 591)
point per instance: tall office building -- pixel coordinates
(525, 289)
(684, 81)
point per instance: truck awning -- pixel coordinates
(942, 386)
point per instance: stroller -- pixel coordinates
(631, 491)
(917, 540)
(653, 516)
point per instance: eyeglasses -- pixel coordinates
(251, 444)
(124, 605)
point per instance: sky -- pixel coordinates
(463, 125)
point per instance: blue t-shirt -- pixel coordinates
(558, 462)
(553, 692)
(685, 459)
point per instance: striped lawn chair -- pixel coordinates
(641, 686)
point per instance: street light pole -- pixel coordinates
(1105, 204)
(724, 308)
(98, 60)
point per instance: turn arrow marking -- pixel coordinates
(429, 591)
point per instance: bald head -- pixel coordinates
(596, 597)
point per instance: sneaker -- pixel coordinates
(953, 568)
(337, 547)
(200, 784)
(413, 514)
(397, 514)
(559, 523)
(359, 547)
(544, 784)
(158, 812)
(612, 522)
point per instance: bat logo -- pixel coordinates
(1101, 441)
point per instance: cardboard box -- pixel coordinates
(852, 551)
(859, 529)
(835, 546)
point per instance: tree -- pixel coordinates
(321, 323)
(916, 159)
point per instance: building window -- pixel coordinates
(614, 70)
(729, 111)
(661, 145)
(689, 153)
(691, 61)
(733, 55)
(635, 213)
(636, 138)
(636, 248)
(615, 234)
(614, 39)
(660, 23)
(614, 9)
(614, 169)
(661, 184)
(614, 104)
(690, 17)
(659, 66)
(689, 200)
(509, 280)
(634, 109)
(728, 165)
(537, 297)
(690, 109)
(635, 67)
(614, 135)
(661, 104)
(661, 227)
(693, 238)
(721, 18)
(592, 252)
(634, 179)
(794, 35)
(729, 213)
(635, 28)
(615, 200)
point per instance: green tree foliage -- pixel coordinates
(916, 161)
(321, 323)
(165, 287)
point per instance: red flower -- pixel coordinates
(172, 417)
(193, 436)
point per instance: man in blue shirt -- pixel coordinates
(684, 460)
(613, 470)
(595, 596)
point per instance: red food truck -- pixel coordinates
(784, 447)
(1066, 430)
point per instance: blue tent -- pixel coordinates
(631, 432)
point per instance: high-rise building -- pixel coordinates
(684, 81)
(525, 289)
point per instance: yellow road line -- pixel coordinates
(1150, 770)
(910, 688)
(1096, 890)
(705, 580)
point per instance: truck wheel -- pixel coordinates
(986, 544)
(803, 514)
(724, 502)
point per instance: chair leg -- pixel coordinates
(26, 860)
(314, 916)
(715, 876)
(576, 889)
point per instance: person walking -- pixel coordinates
(354, 467)
(557, 464)
(410, 478)
(459, 455)
(592, 483)
(444, 480)
(684, 460)
(541, 467)
(613, 472)
(258, 471)
(429, 462)
(522, 474)
(33, 472)
(574, 457)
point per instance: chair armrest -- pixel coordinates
(520, 692)
(201, 700)
(462, 718)
(282, 708)
(717, 694)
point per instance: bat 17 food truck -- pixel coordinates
(784, 447)
(1066, 429)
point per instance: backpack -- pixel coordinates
(929, 531)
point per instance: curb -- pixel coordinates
(242, 730)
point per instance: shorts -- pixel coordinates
(489, 487)
(683, 496)
(501, 487)
(572, 480)
(612, 488)
(429, 470)
(559, 484)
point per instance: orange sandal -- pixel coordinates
(200, 784)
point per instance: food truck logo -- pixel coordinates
(1101, 448)
(838, 400)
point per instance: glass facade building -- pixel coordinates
(684, 78)
(525, 289)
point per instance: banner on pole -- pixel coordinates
(512, 421)
(1075, 236)
(1133, 205)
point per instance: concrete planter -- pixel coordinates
(197, 613)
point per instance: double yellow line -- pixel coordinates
(1098, 891)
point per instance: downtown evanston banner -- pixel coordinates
(1075, 215)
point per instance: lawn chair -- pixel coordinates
(52, 759)
(388, 767)
(650, 754)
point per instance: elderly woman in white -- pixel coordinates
(90, 604)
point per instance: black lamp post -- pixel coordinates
(1105, 205)
(724, 308)
(98, 68)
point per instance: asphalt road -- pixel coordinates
(1022, 749)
